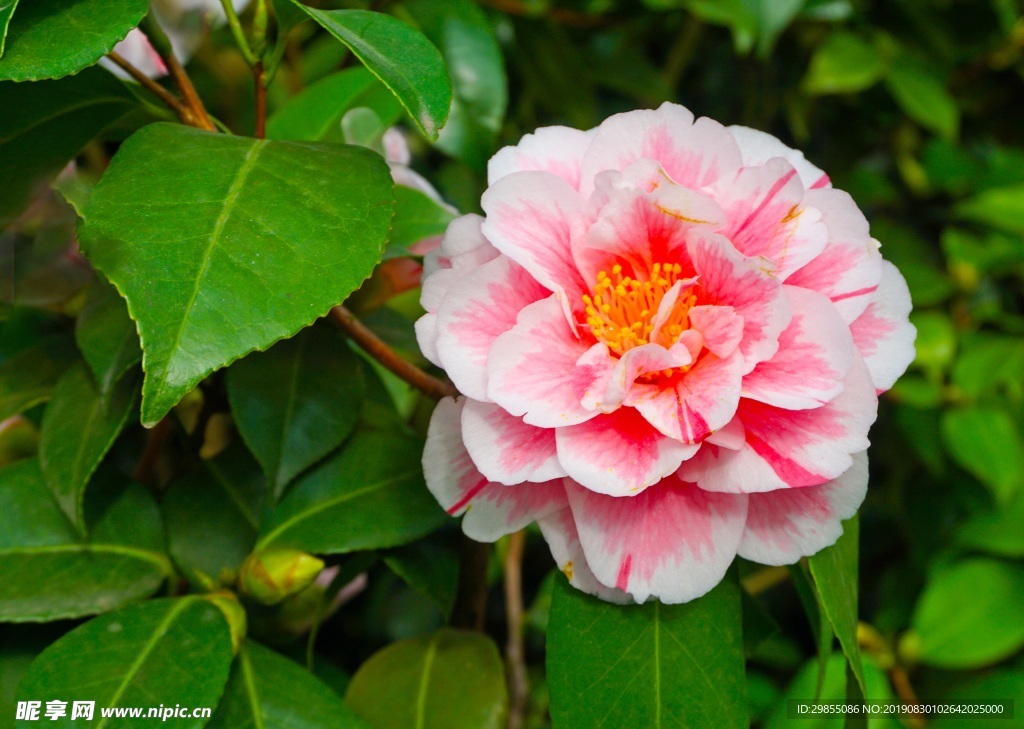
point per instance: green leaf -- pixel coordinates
(969, 615)
(368, 496)
(1000, 207)
(28, 378)
(400, 56)
(296, 402)
(106, 335)
(55, 120)
(315, 113)
(647, 665)
(50, 572)
(835, 576)
(174, 652)
(231, 244)
(1003, 686)
(268, 691)
(7, 8)
(936, 341)
(212, 514)
(845, 63)
(430, 568)
(924, 99)
(449, 680)
(78, 429)
(985, 441)
(417, 217)
(998, 531)
(54, 38)
(480, 90)
(774, 16)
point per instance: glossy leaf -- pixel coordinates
(969, 615)
(122, 560)
(231, 244)
(269, 691)
(417, 218)
(400, 56)
(55, 120)
(480, 90)
(368, 496)
(28, 377)
(175, 651)
(985, 441)
(7, 8)
(296, 402)
(835, 576)
(79, 427)
(315, 113)
(106, 335)
(844, 63)
(448, 680)
(53, 38)
(432, 569)
(647, 665)
(924, 99)
(212, 514)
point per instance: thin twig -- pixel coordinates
(172, 101)
(237, 32)
(515, 654)
(188, 93)
(382, 352)
(470, 606)
(261, 100)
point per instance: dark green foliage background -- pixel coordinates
(915, 107)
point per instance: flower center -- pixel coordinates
(622, 311)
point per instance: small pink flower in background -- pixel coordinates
(670, 336)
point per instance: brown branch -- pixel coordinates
(515, 658)
(172, 101)
(261, 100)
(200, 118)
(470, 606)
(382, 352)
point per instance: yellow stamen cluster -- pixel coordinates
(622, 309)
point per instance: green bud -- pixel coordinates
(271, 575)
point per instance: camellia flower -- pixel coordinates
(670, 336)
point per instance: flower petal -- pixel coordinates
(728, 278)
(531, 368)
(815, 354)
(758, 147)
(720, 327)
(850, 267)
(693, 153)
(492, 510)
(791, 448)
(474, 314)
(533, 218)
(618, 453)
(559, 530)
(672, 542)
(691, 406)
(506, 449)
(556, 150)
(787, 524)
(883, 334)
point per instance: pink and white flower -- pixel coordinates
(670, 335)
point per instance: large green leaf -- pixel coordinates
(170, 652)
(835, 576)
(969, 615)
(844, 63)
(924, 98)
(400, 56)
(268, 691)
(54, 38)
(368, 496)
(50, 572)
(106, 335)
(647, 665)
(296, 402)
(985, 441)
(230, 244)
(480, 90)
(998, 531)
(7, 8)
(79, 427)
(417, 217)
(448, 680)
(55, 120)
(315, 113)
(432, 569)
(212, 514)
(28, 378)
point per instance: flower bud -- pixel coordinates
(269, 576)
